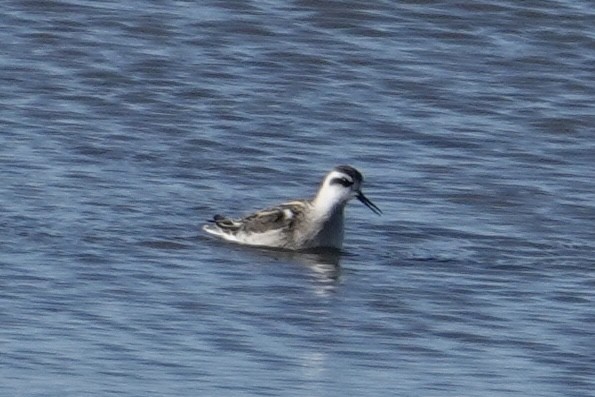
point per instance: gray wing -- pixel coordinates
(280, 217)
(274, 218)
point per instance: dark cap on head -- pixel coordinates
(352, 172)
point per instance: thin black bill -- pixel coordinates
(360, 196)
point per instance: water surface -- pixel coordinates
(125, 126)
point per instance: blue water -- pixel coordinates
(125, 125)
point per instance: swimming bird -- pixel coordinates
(300, 224)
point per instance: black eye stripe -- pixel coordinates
(341, 181)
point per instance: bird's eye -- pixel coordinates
(342, 181)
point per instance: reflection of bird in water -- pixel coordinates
(324, 263)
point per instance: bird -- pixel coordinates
(300, 224)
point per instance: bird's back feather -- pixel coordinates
(271, 226)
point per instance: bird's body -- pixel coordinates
(301, 224)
